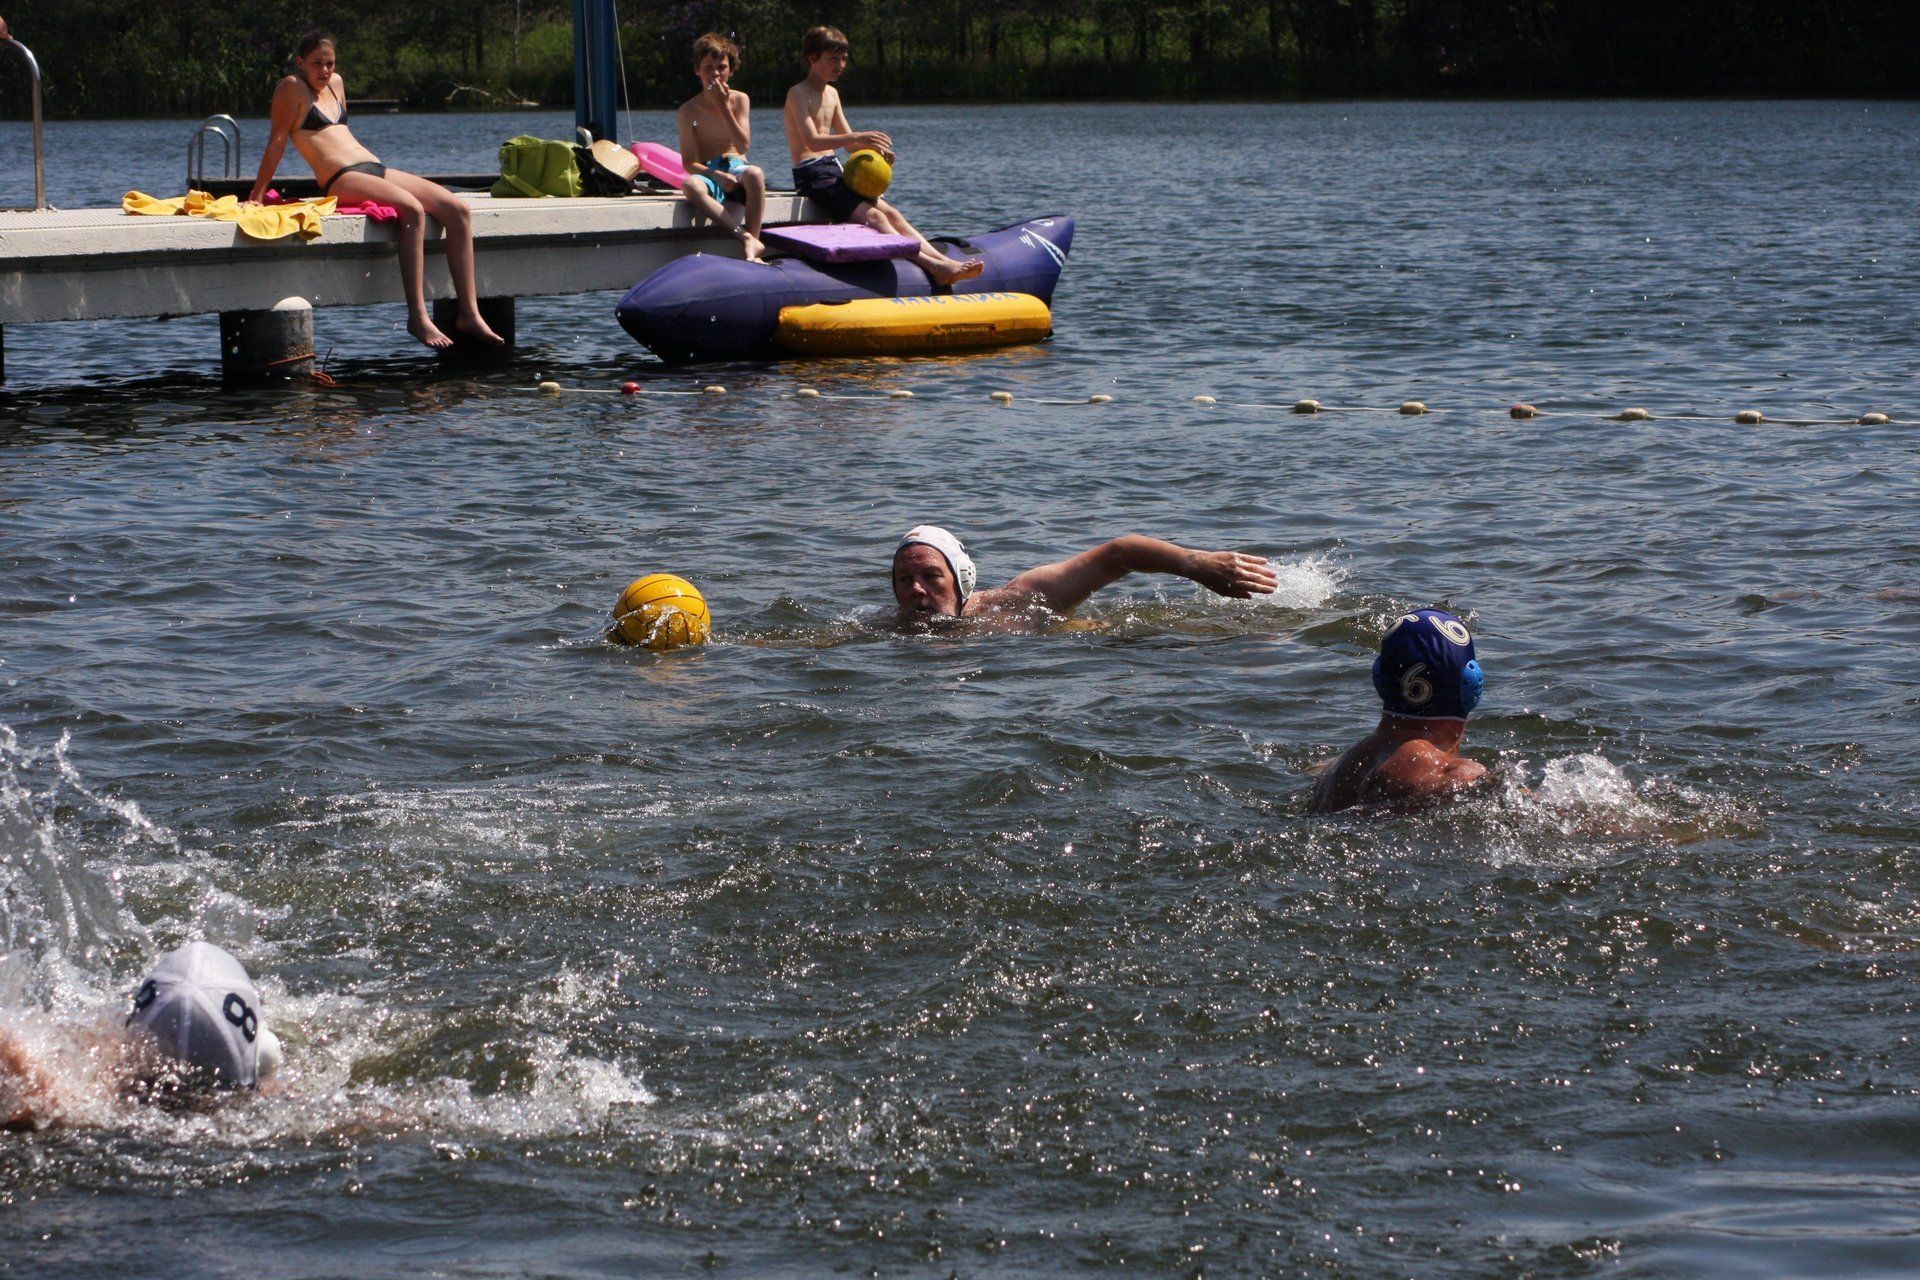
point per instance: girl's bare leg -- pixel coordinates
(456, 220)
(361, 187)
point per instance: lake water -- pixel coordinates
(821, 949)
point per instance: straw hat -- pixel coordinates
(616, 159)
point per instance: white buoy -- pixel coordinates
(1001, 397)
(900, 393)
(1523, 411)
(1749, 417)
(1306, 406)
(807, 393)
(715, 390)
(1205, 400)
(549, 388)
(1413, 408)
(1873, 420)
(1635, 415)
(1100, 399)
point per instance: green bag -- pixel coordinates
(531, 166)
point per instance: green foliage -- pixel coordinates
(192, 57)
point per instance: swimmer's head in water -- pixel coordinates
(199, 1007)
(1426, 668)
(912, 588)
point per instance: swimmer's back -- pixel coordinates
(1384, 770)
(1343, 784)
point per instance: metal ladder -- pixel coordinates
(227, 129)
(39, 164)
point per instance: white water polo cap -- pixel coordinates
(199, 1006)
(932, 535)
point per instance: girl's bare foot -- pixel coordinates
(429, 335)
(475, 327)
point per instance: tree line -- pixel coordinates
(193, 57)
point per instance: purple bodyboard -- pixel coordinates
(839, 242)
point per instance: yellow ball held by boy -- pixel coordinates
(661, 612)
(868, 173)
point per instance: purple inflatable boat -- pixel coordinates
(710, 308)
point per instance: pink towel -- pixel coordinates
(371, 210)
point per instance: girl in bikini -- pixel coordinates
(310, 106)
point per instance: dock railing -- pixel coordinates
(227, 129)
(39, 151)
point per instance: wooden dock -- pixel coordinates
(99, 264)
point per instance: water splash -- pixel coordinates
(1583, 805)
(1306, 583)
(63, 847)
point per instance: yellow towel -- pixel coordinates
(262, 222)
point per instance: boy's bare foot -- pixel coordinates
(475, 327)
(956, 271)
(750, 246)
(429, 334)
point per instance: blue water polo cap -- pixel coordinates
(1426, 668)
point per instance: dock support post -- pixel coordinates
(497, 312)
(258, 346)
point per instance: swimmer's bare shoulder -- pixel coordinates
(1418, 770)
(1413, 771)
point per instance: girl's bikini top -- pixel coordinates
(314, 121)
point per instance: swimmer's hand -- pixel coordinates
(874, 140)
(718, 89)
(1233, 573)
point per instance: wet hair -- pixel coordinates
(311, 41)
(821, 41)
(714, 42)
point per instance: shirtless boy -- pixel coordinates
(1429, 682)
(817, 127)
(714, 135)
(933, 576)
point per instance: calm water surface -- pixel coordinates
(825, 950)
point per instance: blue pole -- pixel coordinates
(596, 67)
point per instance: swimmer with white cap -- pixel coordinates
(934, 577)
(195, 1021)
(1429, 682)
(199, 1008)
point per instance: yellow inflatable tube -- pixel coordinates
(909, 326)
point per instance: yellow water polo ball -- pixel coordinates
(869, 174)
(662, 612)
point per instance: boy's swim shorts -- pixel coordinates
(821, 180)
(723, 164)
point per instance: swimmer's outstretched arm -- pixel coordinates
(1064, 584)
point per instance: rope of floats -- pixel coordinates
(1408, 408)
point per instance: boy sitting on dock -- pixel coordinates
(714, 136)
(817, 127)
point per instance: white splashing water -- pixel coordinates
(1584, 805)
(1306, 583)
(61, 916)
